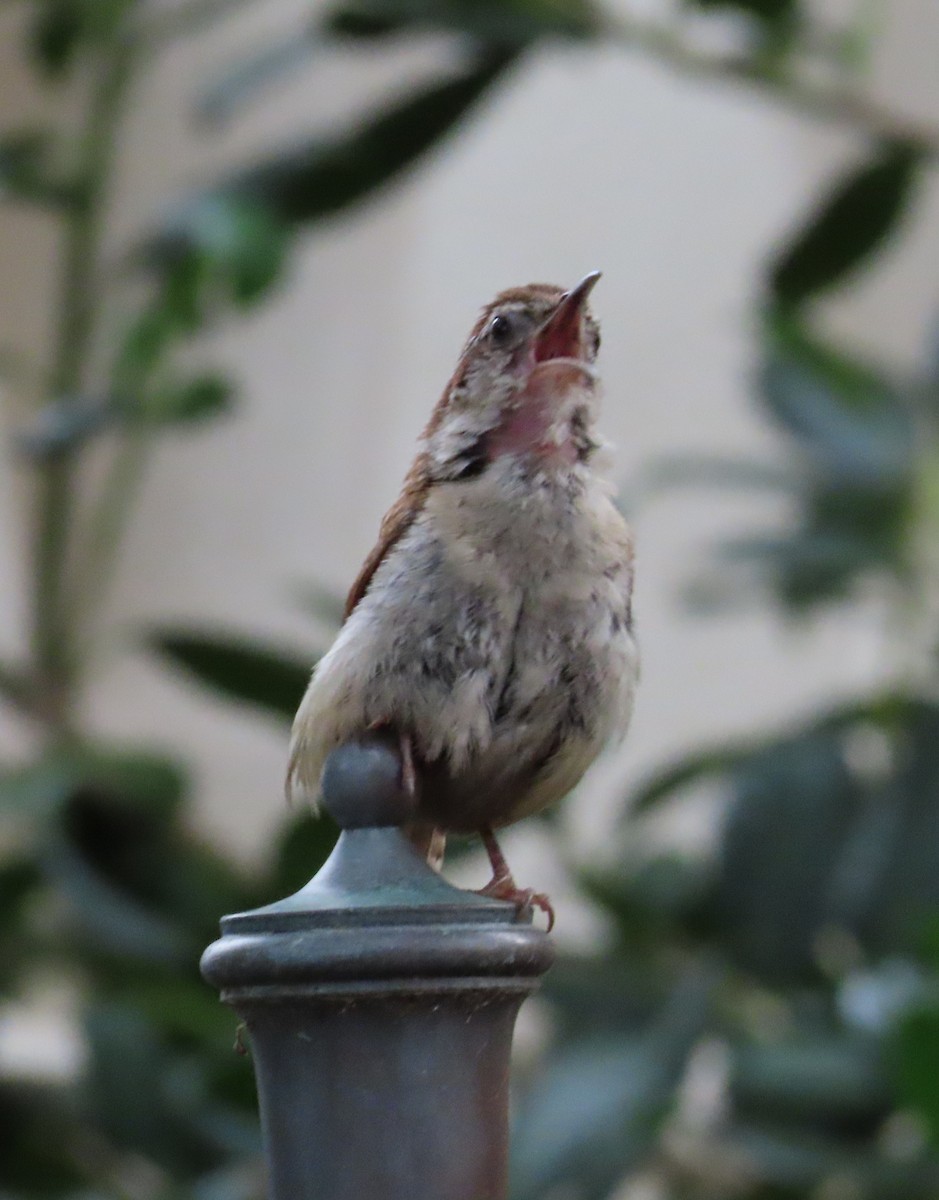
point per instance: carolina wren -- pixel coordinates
(491, 628)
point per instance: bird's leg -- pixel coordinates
(408, 773)
(408, 770)
(503, 887)
(429, 841)
(437, 849)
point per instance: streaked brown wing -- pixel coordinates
(396, 522)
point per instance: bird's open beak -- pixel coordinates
(560, 335)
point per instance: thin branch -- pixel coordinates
(828, 102)
(107, 525)
(52, 651)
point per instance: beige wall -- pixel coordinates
(584, 159)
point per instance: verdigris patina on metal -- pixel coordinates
(380, 1003)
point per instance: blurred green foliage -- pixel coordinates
(792, 973)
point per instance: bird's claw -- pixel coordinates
(522, 898)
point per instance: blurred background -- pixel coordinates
(241, 244)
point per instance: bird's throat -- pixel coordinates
(537, 422)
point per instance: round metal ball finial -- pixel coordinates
(362, 786)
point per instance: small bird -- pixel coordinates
(490, 629)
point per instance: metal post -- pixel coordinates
(380, 1003)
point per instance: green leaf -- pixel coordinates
(316, 180)
(238, 668)
(123, 859)
(127, 1089)
(124, 1052)
(20, 885)
(230, 242)
(811, 843)
(243, 243)
(796, 1161)
(890, 709)
(851, 419)
(331, 175)
(107, 918)
(222, 248)
(19, 878)
(56, 35)
(116, 857)
(139, 777)
(142, 350)
(63, 28)
(766, 10)
(845, 536)
(506, 23)
(39, 1131)
(931, 356)
(915, 1063)
(777, 23)
(928, 946)
(808, 568)
(700, 765)
(15, 686)
(195, 400)
(181, 1009)
(302, 848)
(906, 890)
(855, 428)
(664, 898)
(830, 1082)
(25, 173)
(198, 885)
(596, 1111)
(37, 789)
(600, 995)
(857, 216)
(794, 806)
(194, 1103)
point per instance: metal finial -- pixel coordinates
(362, 786)
(380, 1002)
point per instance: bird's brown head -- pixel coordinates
(523, 385)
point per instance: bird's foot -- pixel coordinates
(507, 889)
(503, 887)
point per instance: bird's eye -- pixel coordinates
(501, 329)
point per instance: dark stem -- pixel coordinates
(101, 542)
(53, 659)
